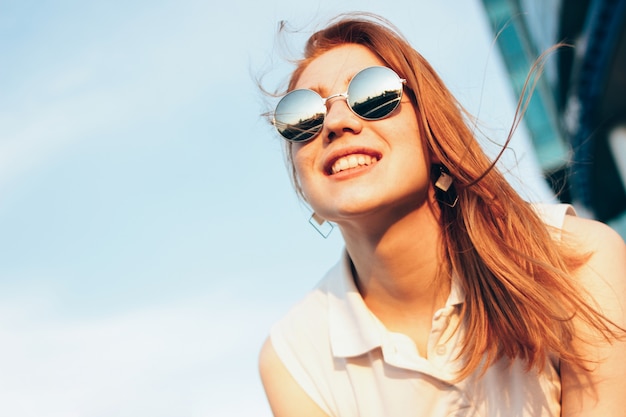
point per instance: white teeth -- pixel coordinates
(352, 161)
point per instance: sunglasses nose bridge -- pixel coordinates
(335, 96)
(340, 118)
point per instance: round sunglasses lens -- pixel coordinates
(375, 92)
(299, 116)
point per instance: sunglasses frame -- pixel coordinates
(345, 95)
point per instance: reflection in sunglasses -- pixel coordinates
(373, 94)
(303, 130)
(379, 106)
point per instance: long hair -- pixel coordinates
(520, 295)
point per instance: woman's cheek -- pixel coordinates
(300, 172)
(303, 162)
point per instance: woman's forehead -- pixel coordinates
(333, 69)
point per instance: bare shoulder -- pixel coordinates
(606, 248)
(285, 396)
(600, 390)
(591, 234)
(604, 274)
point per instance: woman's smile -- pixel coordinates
(350, 162)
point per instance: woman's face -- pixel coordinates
(357, 168)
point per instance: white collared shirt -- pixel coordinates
(345, 359)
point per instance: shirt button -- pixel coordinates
(440, 350)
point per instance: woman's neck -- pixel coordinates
(398, 269)
(408, 247)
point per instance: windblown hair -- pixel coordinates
(521, 298)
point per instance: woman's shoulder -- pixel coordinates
(603, 277)
(604, 273)
(284, 390)
(594, 237)
(293, 359)
(296, 360)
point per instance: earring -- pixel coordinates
(320, 224)
(444, 191)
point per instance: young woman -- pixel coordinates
(454, 296)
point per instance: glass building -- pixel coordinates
(576, 114)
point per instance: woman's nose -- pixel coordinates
(340, 119)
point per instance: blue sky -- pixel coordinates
(149, 236)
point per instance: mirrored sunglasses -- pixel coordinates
(373, 94)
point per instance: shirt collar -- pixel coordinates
(353, 328)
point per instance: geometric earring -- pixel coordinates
(444, 191)
(320, 224)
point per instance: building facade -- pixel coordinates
(576, 114)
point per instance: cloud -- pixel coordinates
(184, 358)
